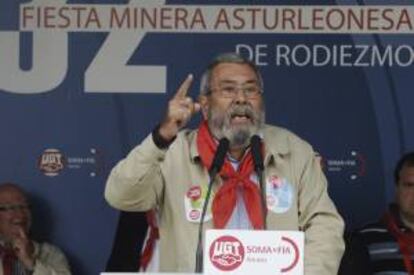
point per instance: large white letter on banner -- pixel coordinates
(109, 71)
(49, 64)
(49, 67)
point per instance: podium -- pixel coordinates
(240, 252)
(253, 252)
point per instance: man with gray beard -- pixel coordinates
(168, 171)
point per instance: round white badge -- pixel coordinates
(279, 194)
(194, 201)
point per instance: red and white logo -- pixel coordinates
(195, 214)
(226, 253)
(194, 193)
(51, 162)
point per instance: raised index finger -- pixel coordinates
(183, 89)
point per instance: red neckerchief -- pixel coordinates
(148, 251)
(8, 257)
(405, 241)
(225, 199)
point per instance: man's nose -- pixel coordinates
(240, 96)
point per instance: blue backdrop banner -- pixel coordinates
(83, 82)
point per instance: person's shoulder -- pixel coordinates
(284, 139)
(46, 248)
(376, 226)
(373, 232)
(277, 130)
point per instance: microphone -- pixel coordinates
(218, 159)
(215, 167)
(255, 147)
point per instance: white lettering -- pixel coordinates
(49, 61)
(109, 71)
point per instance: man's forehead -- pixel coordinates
(407, 173)
(234, 72)
(230, 81)
(233, 68)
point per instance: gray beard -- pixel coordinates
(239, 136)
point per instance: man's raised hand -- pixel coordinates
(179, 112)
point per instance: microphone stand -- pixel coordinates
(255, 144)
(199, 251)
(215, 167)
(259, 173)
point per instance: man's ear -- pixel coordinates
(204, 104)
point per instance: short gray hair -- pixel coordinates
(226, 58)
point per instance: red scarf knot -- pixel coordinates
(225, 200)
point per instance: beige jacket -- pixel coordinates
(49, 260)
(153, 178)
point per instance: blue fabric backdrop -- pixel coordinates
(60, 140)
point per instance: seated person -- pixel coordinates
(390, 241)
(19, 253)
(356, 257)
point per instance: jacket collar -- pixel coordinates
(276, 144)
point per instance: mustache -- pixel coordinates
(241, 110)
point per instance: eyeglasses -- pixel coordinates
(13, 207)
(250, 91)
